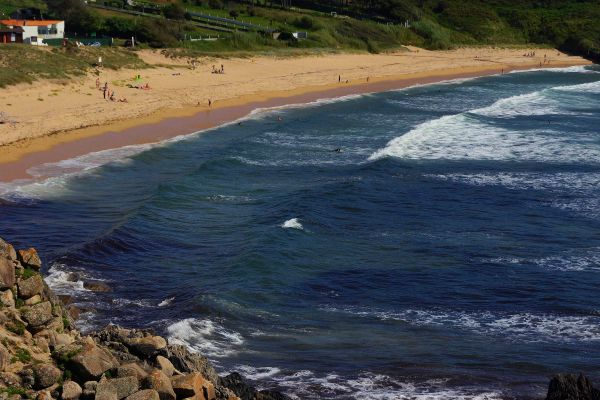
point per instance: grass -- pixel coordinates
(26, 64)
(13, 390)
(22, 355)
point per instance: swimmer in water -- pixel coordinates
(338, 150)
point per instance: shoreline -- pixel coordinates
(17, 158)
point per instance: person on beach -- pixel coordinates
(222, 69)
(209, 103)
(367, 79)
(104, 92)
(339, 79)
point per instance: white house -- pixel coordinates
(35, 31)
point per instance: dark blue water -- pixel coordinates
(450, 250)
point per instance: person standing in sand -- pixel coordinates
(209, 103)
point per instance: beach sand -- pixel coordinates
(60, 120)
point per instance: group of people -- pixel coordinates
(107, 93)
(217, 70)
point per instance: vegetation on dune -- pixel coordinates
(22, 63)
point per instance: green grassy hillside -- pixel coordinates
(332, 25)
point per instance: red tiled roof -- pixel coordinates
(28, 22)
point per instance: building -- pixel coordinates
(11, 35)
(34, 31)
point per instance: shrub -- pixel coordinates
(215, 4)
(234, 14)
(22, 355)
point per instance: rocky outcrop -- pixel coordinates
(43, 356)
(572, 387)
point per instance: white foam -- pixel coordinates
(206, 337)
(58, 280)
(574, 69)
(306, 384)
(293, 223)
(536, 103)
(462, 137)
(521, 327)
(590, 87)
(166, 302)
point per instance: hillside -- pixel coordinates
(222, 26)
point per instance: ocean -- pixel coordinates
(440, 241)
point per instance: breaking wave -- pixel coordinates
(206, 337)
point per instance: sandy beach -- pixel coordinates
(58, 120)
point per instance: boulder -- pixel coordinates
(92, 361)
(7, 273)
(7, 250)
(158, 381)
(238, 385)
(33, 300)
(188, 385)
(123, 387)
(571, 387)
(96, 286)
(45, 375)
(146, 394)
(271, 395)
(39, 314)
(105, 393)
(71, 391)
(89, 390)
(185, 361)
(165, 366)
(31, 286)
(147, 346)
(9, 379)
(7, 299)
(132, 369)
(30, 258)
(4, 357)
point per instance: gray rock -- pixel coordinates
(147, 346)
(131, 369)
(45, 375)
(185, 361)
(33, 300)
(30, 258)
(7, 273)
(7, 250)
(165, 365)
(92, 361)
(38, 315)
(123, 387)
(71, 391)
(571, 387)
(4, 357)
(31, 286)
(7, 299)
(161, 383)
(89, 390)
(96, 286)
(146, 394)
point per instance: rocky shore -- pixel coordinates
(43, 356)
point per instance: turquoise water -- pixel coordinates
(450, 249)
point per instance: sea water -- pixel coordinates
(434, 242)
